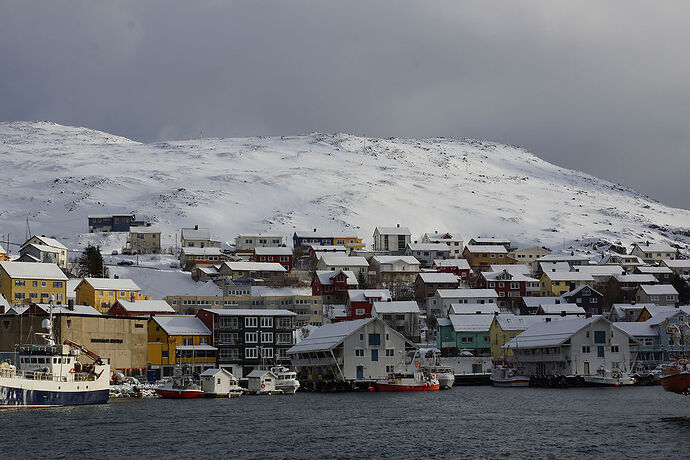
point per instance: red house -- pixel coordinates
(333, 285)
(140, 308)
(360, 301)
(459, 267)
(511, 287)
(280, 255)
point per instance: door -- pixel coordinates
(360, 372)
(586, 368)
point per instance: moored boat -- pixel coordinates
(676, 377)
(444, 375)
(408, 381)
(180, 387)
(286, 380)
(608, 378)
(506, 376)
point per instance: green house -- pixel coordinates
(464, 332)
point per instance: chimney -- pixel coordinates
(314, 230)
(647, 243)
(196, 227)
(117, 277)
(70, 304)
(435, 231)
(398, 225)
(563, 313)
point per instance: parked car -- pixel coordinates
(115, 252)
(125, 262)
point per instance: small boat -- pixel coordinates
(608, 378)
(409, 381)
(286, 380)
(507, 376)
(444, 375)
(180, 387)
(676, 377)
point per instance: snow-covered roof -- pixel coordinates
(466, 293)
(659, 289)
(568, 276)
(466, 323)
(518, 322)
(515, 276)
(43, 248)
(329, 336)
(362, 295)
(537, 301)
(567, 308)
(249, 312)
(660, 269)
(394, 231)
(181, 325)
(654, 247)
(661, 316)
(599, 270)
(578, 289)
(563, 258)
(636, 278)
(486, 248)
(655, 310)
(279, 251)
(265, 291)
(428, 247)
(196, 348)
(308, 235)
(327, 248)
(339, 260)
(33, 270)
(196, 234)
(443, 322)
(58, 309)
(255, 266)
(549, 334)
(676, 263)
(638, 329)
(50, 242)
(144, 229)
(409, 260)
(461, 264)
(490, 240)
(156, 306)
(552, 267)
(400, 306)
(443, 237)
(209, 270)
(111, 284)
(429, 277)
(202, 251)
(520, 269)
(326, 276)
(473, 309)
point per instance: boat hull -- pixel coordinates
(179, 394)
(514, 382)
(677, 383)
(15, 397)
(392, 387)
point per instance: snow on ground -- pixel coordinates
(58, 175)
(283, 291)
(159, 283)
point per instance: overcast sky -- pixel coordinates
(599, 86)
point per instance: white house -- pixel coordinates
(572, 347)
(426, 253)
(337, 261)
(440, 303)
(654, 252)
(452, 240)
(218, 382)
(48, 246)
(197, 238)
(659, 294)
(395, 269)
(393, 239)
(363, 349)
(247, 243)
(402, 315)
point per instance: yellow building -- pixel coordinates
(351, 242)
(179, 339)
(101, 293)
(505, 328)
(555, 284)
(25, 282)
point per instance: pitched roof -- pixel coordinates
(537, 301)
(428, 247)
(466, 293)
(659, 289)
(555, 309)
(144, 229)
(326, 276)
(410, 260)
(255, 266)
(599, 270)
(329, 336)
(181, 325)
(202, 251)
(33, 270)
(400, 306)
(521, 269)
(518, 322)
(394, 231)
(275, 251)
(49, 242)
(497, 241)
(430, 277)
(655, 247)
(466, 323)
(473, 308)
(335, 259)
(550, 334)
(157, 306)
(638, 329)
(578, 289)
(636, 278)
(568, 276)
(486, 248)
(59, 309)
(327, 248)
(514, 276)
(660, 269)
(563, 258)
(361, 295)
(676, 263)
(196, 234)
(552, 267)
(42, 248)
(461, 264)
(111, 284)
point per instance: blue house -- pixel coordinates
(114, 223)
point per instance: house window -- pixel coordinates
(251, 337)
(44, 284)
(599, 336)
(615, 365)
(614, 348)
(251, 353)
(374, 355)
(600, 352)
(266, 321)
(492, 284)
(34, 284)
(359, 352)
(18, 296)
(390, 352)
(266, 352)
(374, 339)
(593, 300)
(20, 282)
(400, 317)
(359, 312)
(361, 336)
(585, 349)
(33, 295)
(390, 369)
(251, 321)
(187, 341)
(267, 337)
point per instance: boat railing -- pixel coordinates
(38, 375)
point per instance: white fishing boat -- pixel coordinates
(286, 380)
(444, 375)
(507, 376)
(51, 375)
(609, 378)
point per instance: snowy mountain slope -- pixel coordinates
(57, 175)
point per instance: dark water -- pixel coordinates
(465, 422)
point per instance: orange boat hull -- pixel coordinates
(392, 387)
(678, 382)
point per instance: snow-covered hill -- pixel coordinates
(57, 175)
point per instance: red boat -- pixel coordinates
(408, 381)
(676, 377)
(180, 388)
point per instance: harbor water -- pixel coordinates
(465, 422)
